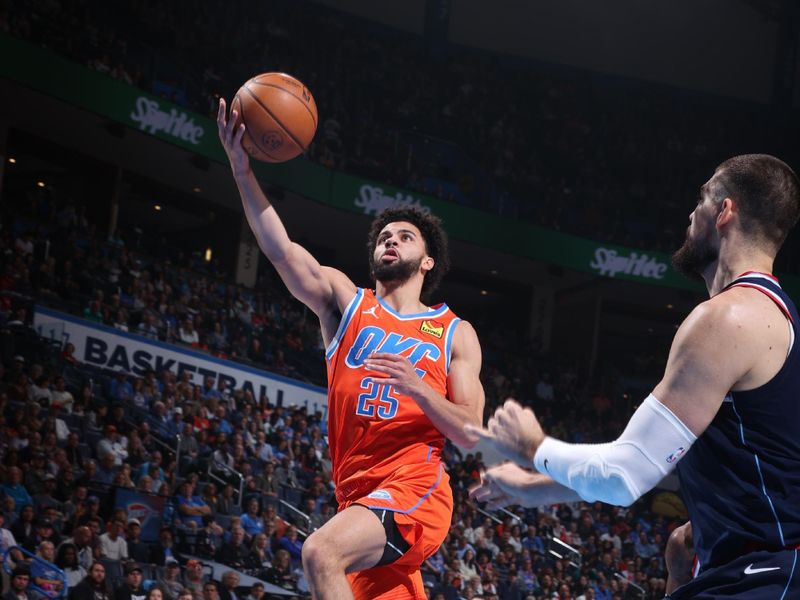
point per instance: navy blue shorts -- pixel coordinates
(756, 576)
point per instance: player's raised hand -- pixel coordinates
(231, 137)
(513, 431)
(399, 372)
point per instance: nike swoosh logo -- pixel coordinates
(545, 465)
(749, 570)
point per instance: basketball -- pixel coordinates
(279, 115)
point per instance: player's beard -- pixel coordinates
(398, 271)
(694, 256)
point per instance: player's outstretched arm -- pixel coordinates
(712, 351)
(322, 289)
(508, 484)
(466, 398)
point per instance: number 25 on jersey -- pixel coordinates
(376, 397)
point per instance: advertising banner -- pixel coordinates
(109, 348)
(76, 84)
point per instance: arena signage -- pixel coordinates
(75, 84)
(610, 262)
(111, 349)
(372, 199)
(149, 116)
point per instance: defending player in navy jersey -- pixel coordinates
(726, 413)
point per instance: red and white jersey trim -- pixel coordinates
(764, 289)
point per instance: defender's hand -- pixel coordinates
(231, 138)
(513, 431)
(503, 485)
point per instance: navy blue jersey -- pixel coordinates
(741, 478)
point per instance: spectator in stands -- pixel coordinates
(24, 529)
(170, 582)
(230, 581)
(155, 461)
(45, 498)
(137, 550)
(123, 477)
(544, 388)
(82, 540)
(187, 333)
(644, 547)
(226, 502)
(72, 450)
(260, 556)
(155, 593)
(251, 521)
(256, 591)
(266, 482)
(285, 474)
(281, 572)
(55, 423)
(149, 327)
(20, 577)
(88, 473)
(93, 586)
(234, 552)
(188, 449)
(46, 532)
(7, 540)
(120, 389)
(210, 590)
(210, 497)
(209, 538)
(68, 354)
(13, 487)
(175, 425)
(112, 543)
(322, 516)
(292, 544)
(159, 418)
(37, 469)
(164, 549)
(67, 561)
(46, 577)
(112, 444)
(191, 507)
(40, 390)
(107, 470)
(194, 577)
(132, 588)
(61, 396)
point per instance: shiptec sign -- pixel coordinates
(372, 199)
(609, 262)
(149, 116)
(109, 348)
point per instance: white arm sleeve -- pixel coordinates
(621, 471)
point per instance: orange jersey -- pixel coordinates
(373, 430)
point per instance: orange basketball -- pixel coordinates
(279, 114)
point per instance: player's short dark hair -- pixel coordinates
(433, 235)
(767, 192)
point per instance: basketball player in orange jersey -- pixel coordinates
(401, 377)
